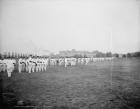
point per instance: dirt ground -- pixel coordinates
(100, 85)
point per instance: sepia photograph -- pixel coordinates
(70, 54)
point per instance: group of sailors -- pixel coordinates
(37, 64)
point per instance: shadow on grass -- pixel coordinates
(64, 107)
(11, 101)
(128, 100)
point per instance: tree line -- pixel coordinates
(97, 54)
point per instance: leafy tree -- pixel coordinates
(108, 54)
(116, 55)
(128, 55)
(124, 55)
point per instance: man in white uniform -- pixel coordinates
(20, 65)
(10, 67)
(29, 64)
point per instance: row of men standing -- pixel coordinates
(40, 64)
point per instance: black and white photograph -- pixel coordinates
(69, 54)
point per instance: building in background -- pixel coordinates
(73, 52)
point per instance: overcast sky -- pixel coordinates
(54, 25)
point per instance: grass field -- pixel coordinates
(100, 85)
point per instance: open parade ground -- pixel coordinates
(70, 54)
(99, 85)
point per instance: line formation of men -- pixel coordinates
(37, 64)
